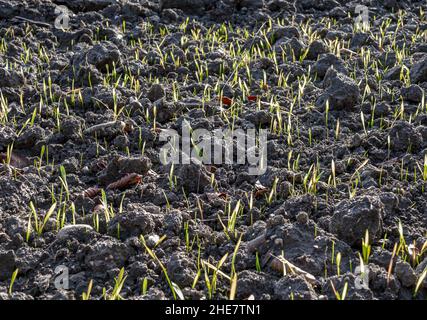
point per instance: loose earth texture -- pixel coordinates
(88, 210)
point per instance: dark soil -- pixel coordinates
(82, 110)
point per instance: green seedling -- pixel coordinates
(172, 287)
(366, 247)
(12, 281)
(119, 281)
(39, 224)
(86, 295)
(343, 294)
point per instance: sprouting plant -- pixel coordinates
(185, 198)
(366, 247)
(12, 281)
(354, 183)
(33, 117)
(211, 284)
(171, 177)
(233, 288)
(388, 146)
(390, 265)
(199, 262)
(61, 215)
(86, 295)
(9, 151)
(160, 241)
(119, 281)
(73, 213)
(338, 262)
(116, 110)
(187, 237)
(311, 179)
(273, 191)
(232, 218)
(333, 252)
(233, 285)
(38, 223)
(38, 163)
(108, 210)
(164, 270)
(402, 248)
(362, 119)
(257, 262)
(168, 205)
(155, 118)
(343, 294)
(121, 203)
(424, 172)
(63, 179)
(233, 260)
(144, 287)
(333, 173)
(420, 281)
(337, 130)
(96, 221)
(4, 109)
(200, 208)
(327, 115)
(384, 241)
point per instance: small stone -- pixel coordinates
(278, 242)
(359, 40)
(341, 91)
(106, 255)
(316, 48)
(10, 78)
(192, 177)
(413, 93)
(404, 137)
(294, 287)
(255, 4)
(74, 231)
(173, 221)
(140, 165)
(71, 128)
(405, 274)
(131, 224)
(390, 4)
(121, 142)
(152, 240)
(418, 71)
(7, 264)
(285, 32)
(156, 92)
(103, 56)
(353, 217)
(193, 6)
(393, 73)
(302, 217)
(180, 269)
(325, 62)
